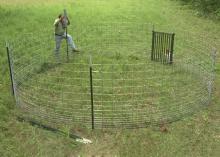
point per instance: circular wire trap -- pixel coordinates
(112, 82)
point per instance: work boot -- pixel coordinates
(75, 50)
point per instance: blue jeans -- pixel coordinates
(58, 40)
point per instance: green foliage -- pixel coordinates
(206, 7)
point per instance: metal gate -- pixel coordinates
(162, 47)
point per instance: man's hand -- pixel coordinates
(68, 21)
(61, 18)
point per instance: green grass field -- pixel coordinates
(195, 135)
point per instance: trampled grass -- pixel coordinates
(194, 136)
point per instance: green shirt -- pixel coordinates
(59, 30)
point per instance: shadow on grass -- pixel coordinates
(48, 128)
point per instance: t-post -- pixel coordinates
(10, 67)
(65, 25)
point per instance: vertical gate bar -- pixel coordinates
(158, 46)
(155, 44)
(154, 41)
(169, 48)
(157, 41)
(152, 49)
(162, 46)
(166, 55)
(172, 48)
(156, 49)
(160, 41)
(10, 68)
(91, 90)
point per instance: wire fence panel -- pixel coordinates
(119, 87)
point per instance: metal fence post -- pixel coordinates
(91, 91)
(66, 23)
(152, 49)
(10, 68)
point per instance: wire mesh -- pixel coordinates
(129, 90)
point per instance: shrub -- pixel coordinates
(206, 7)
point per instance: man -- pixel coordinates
(60, 33)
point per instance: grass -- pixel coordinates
(197, 135)
(119, 90)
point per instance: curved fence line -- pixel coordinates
(120, 88)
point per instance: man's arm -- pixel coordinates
(56, 22)
(68, 21)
